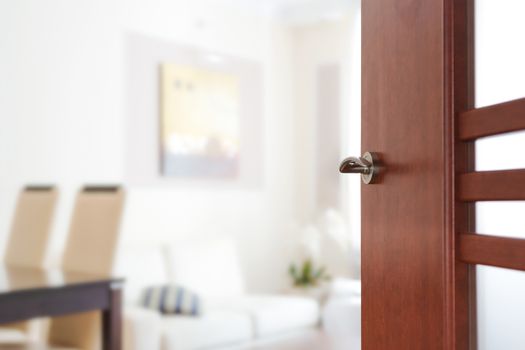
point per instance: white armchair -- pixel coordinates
(341, 315)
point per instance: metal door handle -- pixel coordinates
(365, 165)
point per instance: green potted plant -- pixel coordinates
(307, 275)
(308, 280)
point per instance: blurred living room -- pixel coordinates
(189, 149)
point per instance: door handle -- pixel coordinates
(367, 166)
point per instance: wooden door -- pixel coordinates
(416, 77)
(419, 242)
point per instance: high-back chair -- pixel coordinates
(27, 244)
(30, 231)
(90, 248)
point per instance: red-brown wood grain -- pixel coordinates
(491, 250)
(492, 185)
(460, 297)
(492, 120)
(416, 76)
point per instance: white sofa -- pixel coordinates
(230, 317)
(341, 315)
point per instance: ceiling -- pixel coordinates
(291, 10)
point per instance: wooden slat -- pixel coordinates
(492, 120)
(494, 251)
(492, 185)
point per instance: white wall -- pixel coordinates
(60, 98)
(62, 111)
(500, 76)
(64, 119)
(315, 46)
(259, 217)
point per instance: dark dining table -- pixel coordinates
(27, 293)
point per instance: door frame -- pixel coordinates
(459, 92)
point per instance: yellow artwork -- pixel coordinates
(200, 122)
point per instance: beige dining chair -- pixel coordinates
(90, 248)
(27, 245)
(30, 231)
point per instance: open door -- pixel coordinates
(420, 246)
(416, 76)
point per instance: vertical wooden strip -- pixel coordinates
(459, 216)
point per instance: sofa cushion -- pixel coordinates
(142, 329)
(141, 265)
(273, 314)
(209, 267)
(344, 287)
(342, 316)
(214, 328)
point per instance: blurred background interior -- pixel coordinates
(223, 123)
(219, 126)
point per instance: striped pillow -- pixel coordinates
(171, 299)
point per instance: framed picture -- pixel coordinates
(200, 122)
(194, 117)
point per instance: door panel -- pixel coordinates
(492, 153)
(500, 52)
(501, 308)
(403, 226)
(417, 76)
(420, 246)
